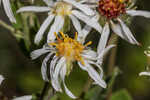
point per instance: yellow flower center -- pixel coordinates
(69, 48)
(62, 8)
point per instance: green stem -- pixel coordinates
(47, 92)
(26, 31)
(16, 33)
(112, 60)
(112, 57)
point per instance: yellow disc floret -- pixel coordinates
(69, 48)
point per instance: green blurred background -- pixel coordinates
(23, 76)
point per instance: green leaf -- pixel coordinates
(121, 95)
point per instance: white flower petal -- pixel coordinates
(85, 31)
(63, 74)
(128, 33)
(56, 27)
(55, 80)
(93, 74)
(36, 53)
(85, 8)
(104, 38)
(138, 13)
(89, 1)
(87, 28)
(89, 54)
(82, 67)
(44, 67)
(1, 79)
(33, 9)
(42, 29)
(91, 22)
(9, 13)
(100, 68)
(117, 29)
(145, 73)
(49, 2)
(52, 65)
(28, 97)
(105, 51)
(76, 24)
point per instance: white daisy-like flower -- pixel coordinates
(63, 52)
(1, 79)
(57, 12)
(7, 8)
(27, 97)
(112, 11)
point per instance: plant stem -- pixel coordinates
(26, 31)
(16, 33)
(112, 60)
(47, 92)
(112, 57)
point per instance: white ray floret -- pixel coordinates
(8, 10)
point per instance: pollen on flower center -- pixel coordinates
(62, 8)
(69, 48)
(112, 8)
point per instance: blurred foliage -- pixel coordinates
(121, 95)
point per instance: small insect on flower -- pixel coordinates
(59, 11)
(114, 12)
(64, 51)
(7, 8)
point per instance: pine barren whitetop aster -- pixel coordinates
(7, 8)
(57, 11)
(64, 51)
(113, 11)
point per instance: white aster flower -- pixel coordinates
(7, 8)
(27, 97)
(1, 79)
(57, 12)
(63, 52)
(113, 11)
